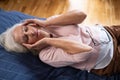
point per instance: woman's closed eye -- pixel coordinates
(25, 29)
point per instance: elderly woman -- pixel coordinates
(59, 41)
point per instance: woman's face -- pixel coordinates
(28, 33)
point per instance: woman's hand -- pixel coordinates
(39, 45)
(39, 23)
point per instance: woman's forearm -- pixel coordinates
(69, 46)
(71, 17)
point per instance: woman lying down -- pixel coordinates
(59, 41)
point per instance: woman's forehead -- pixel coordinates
(18, 33)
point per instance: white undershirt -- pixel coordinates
(106, 50)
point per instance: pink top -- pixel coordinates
(84, 34)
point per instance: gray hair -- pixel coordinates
(8, 42)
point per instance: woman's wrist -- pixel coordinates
(48, 23)
(45, 41)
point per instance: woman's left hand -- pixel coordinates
(40, 23)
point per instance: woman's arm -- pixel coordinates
(71, 17)
(71, 47)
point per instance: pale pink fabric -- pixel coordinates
(58, 58)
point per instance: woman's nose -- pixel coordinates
(30, 33)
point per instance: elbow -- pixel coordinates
(81, 13)
(80, 16)
(84, 15)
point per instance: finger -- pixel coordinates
(28, 21)
(36, 21)
(27, 45)
(34, 25)
(25, 23)
(31, 20)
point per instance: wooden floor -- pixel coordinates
(40, 8)
(106, 12)
(103, 11)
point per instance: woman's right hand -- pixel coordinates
(40, 23)
(39, 45)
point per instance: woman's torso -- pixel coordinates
(94, 36)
